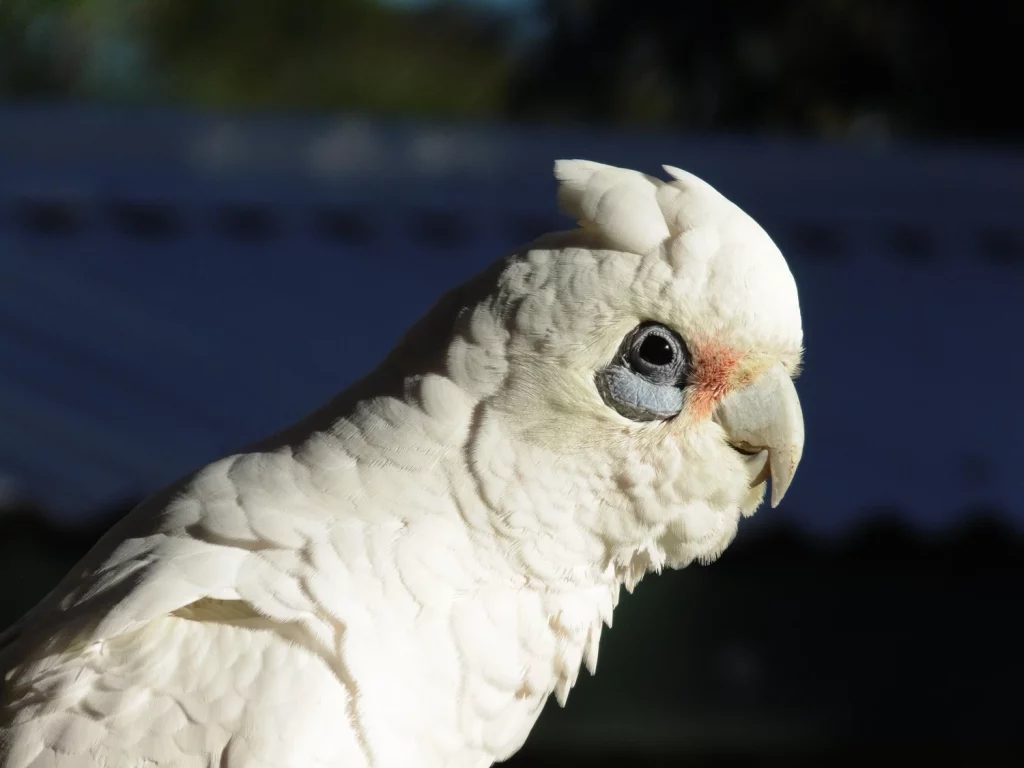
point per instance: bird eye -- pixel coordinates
(657, 353)
(646, 381)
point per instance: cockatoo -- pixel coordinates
(403, 578)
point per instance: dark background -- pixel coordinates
(203, 202)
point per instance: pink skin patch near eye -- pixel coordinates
(714, 374)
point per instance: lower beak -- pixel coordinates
(766, 416)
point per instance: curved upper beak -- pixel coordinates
(766, 416)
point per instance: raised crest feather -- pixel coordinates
(620, 204)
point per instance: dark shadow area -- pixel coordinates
(912, 244)
(145, 221)
(440, 229)
(1002, 246)
(816, 240)
(347, 226)
(48, 218)
(247, 223)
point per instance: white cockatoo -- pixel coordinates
(403, 578)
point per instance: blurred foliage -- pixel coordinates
(834, 68)
(355, 54)
(318, 54)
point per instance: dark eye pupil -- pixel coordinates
(655, 349)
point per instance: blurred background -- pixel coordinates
(215, 214)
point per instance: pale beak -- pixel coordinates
(766, 416)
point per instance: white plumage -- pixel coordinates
(403, 578)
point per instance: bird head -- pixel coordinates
(633, 375)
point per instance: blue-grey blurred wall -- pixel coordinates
(173, 286)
